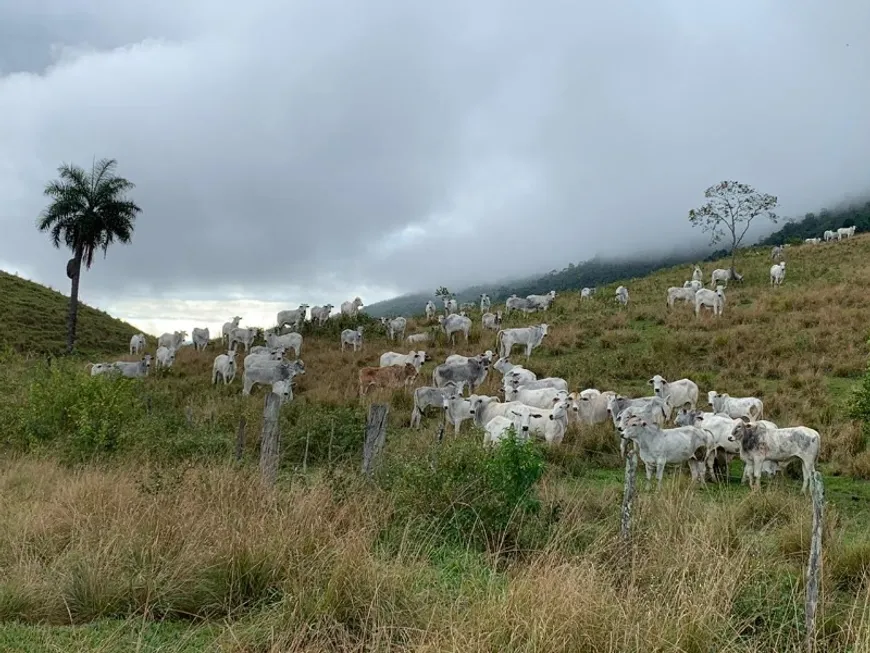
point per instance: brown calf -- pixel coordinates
(385, 377)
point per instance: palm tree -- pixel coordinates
(88, 211)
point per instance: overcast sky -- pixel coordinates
(313, 151)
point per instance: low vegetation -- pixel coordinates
(126, 512)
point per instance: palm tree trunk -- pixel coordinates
(72, 318)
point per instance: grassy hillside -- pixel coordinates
(160, 538)
(34, 319)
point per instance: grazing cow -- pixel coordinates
(244, 336)
(228, 327)
(777, 274)
(392, 359)
(98, 369)
(590, 405)
(450, 305)
(519, 417)
(426, 396)
(514, 303)
(274, 353)
(678, 394)
(515, 381)
(172, 340)
(293, 317)
(518, 372)
(845, 232)
(586, 293)
(165, 357)
(537, 397)
(459, 358)
(485, 303)
(542, 302)
(531, 337)
(697, 274)
(760, 443)
(395, 326)
(385, 377)
(715, 301)
(351, 308)
(290, 340)
(261, 370)
(829, 235)
(694, 284)
(453, 324)
(652, 410)
(551, 422)
(659, 447)
(138, 369)
(430, 309)
(200, 338)
(352, 337)
(776, 253)
(472, 373)
(813, 241)
(417, 338)
(724, 276)
(491, 321)
(751, 408)
(622, 295)
(321, 314)
(683, 294)
(225, 367)
(137, 344)
(457, 409)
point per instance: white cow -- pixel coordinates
(244, 336)
(622, 295)
(393, 359)
(98, 369)
(514, 380)
(225, 367)
(135, 370)
(694, 284)
(294, 317)
(172, 340)
(715, 301)
(678, 394)
(724, 276)
(266, 372)
(321, 314)
(430, 310)
(417, 338)
(812, 241)
(776, 252)
(751, 408)
(531, 337)
(472, 373)
(518, 372)
(485, 303)
(537, 397)
(352, 337)
(395, 326)
(450, 305)
(830, 235)
(228, 327)
(551, 422)
(760, 443)
(457, 409)
(683, 294)
(290, 340)
(845, 232)
(777, 274)
(514, 303)
(519, 417)
(659, 447)
(697, 274)
(590, 405)
(491, 321)
(720, 427)
(453, 324)
(137, 344)
(200, 338)
(586, 293)
(351, 307)
(542, 302)
(165, 357)
(427, 396)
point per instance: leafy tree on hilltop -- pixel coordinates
(88, 211)
(730, 208)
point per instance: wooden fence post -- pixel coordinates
(817, 488)
(240, 437)
(628, 496)
(188, 413)
(376, 433)
(270, 438)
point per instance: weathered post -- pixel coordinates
(817, 489)
(188, 413)
(270, 438)
(376, 433)
(305, 457)
(628, 496)
(240, 438)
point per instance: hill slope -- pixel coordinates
(34, 319)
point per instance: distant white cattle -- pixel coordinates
(227, 327)
(137, 344)
(622, 295)
(430, 309)
(714, 300)
(453, 324)
(294, 317)
(813, 241)
(682, 294)
(320, 314)
(352, 337)
(485, 303)
(586, 293)
(531, 337)
(415, 358)
(172, 340)
(244, 336)
(845, 232)
(542, 302)
(514, 303)
(777, 274)
(776, 252)
(750, 408)
(723, 276)
(697, 274)
(694, 284)
(450, 305)
(165, 357)
(137, 369)
(224, 366)
(290, 340)
(830, 235)
(200, 338)
(395, 326)
(351, 307)
(417, 338)
(491, 321)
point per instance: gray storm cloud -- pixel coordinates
(404, 145)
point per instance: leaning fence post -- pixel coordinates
(270, 438)
(628, 496)
(240, 437)
(817, 489)
(376, 432)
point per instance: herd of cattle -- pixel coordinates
(664, 428)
